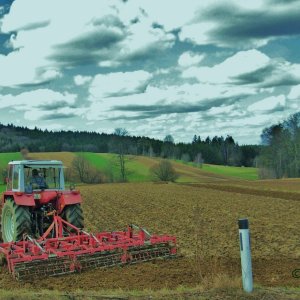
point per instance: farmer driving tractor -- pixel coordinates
(37, 180)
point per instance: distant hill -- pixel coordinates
(138, 167)
(216, 150)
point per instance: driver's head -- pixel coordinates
(35, 172)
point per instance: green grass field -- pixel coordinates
(2, 188)
(107, 162)
(238, 172)
(4, 159)
(246, 173)
(7, 157)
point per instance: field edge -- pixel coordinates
(198, 292)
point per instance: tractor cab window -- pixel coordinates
(15, 177)
(9, 178)
(42, 178)
(52, 178)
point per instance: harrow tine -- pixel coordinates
(95, 239)
(35, 242)
(136, 227)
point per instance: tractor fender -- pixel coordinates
(68, 198)
(19, 198)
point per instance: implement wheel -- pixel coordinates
(15, 221)
(73, 214)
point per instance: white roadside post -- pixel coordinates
(245, 249)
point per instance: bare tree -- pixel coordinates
(169, 139)
(121, 148)
(85, 171)
(198, 160)
(164, 171)
(151, 152)
(80, 165)
(185, 157)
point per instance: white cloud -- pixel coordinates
(163, 12)
(35, 114)
(41, 43)
(36, 98)
(198, 33)
(220, 110)
(202, 30)
(118, 84)
(81, 80)
(39, 103)
(258, 120)
(294, 92)
(108, 63)
(20, 68)
(201, 34)
(142, 37)
(189, 58)
(162, 71)
(250, 68)
(268, 104)
(38, 34)
(171, 95)
(242, 62)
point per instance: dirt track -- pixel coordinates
(250, 191)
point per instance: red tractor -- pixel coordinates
(35, 188)
(42, 228)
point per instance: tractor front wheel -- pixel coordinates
(73, 214)
(15, 221)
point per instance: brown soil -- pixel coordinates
(204, 219)
(161, 274)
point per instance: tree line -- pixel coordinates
(217, 150)
(280, 153)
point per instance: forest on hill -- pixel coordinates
(216, 150)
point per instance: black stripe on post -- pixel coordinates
(241, 242)
(243, 224)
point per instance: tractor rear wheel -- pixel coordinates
(15, 221)
(73, 214)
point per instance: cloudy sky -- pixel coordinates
(154, 67)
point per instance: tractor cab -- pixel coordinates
(32, 175)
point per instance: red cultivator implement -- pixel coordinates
(66, 249)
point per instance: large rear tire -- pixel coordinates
(73, 214)
(15, 221)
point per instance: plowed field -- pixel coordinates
(205, 223)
